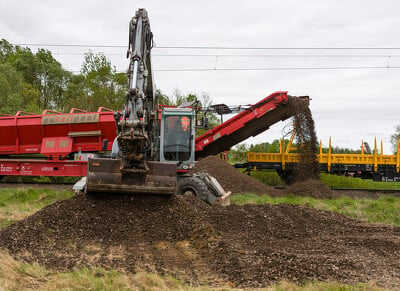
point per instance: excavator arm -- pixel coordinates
(136, 127)
(134, 166)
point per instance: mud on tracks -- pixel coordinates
(249, 246)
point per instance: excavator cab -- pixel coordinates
(177, 137)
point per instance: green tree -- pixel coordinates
(394, 138)
(367, 148)
(51, 80)
(15, 93)
(202, 102)
(98, 85)
(340, 150)
(40, 72)
(75, 93)
(177, 98)
(6, 49)
(266, 147)
(239, 153)
(162, 98)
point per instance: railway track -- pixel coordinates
(356, 190)
(361, 192)
(368, 190)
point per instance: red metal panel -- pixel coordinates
(9, 167)
(243, 125)
(56, 146)
(21, 134)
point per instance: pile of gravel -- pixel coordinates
(230, 178)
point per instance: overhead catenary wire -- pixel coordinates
(273, 69)
(244, 55)
(260, 69)
(209, 47)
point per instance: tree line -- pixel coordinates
(33, 82)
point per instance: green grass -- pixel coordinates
(385, 209)
(271, 178)
(15, 204)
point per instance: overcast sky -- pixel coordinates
(347, 104)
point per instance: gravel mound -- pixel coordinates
(230, 178)
(311, 188)
(233, 180)
(249, 246)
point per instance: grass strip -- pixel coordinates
(16, 204)
(385, 209)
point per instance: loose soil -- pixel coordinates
(230, 178)
(236, 182)
(248, 246)
(311, 188)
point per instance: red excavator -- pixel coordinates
(144, 148)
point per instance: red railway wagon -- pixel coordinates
(53, 143)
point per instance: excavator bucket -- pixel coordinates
(217, 195)
(107, 176)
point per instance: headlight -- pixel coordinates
(185, 167)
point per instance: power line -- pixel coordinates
(275, 56)
(211, 47)
(271, 69)
(262, 69)
(245, 55)
(71, 45)
(277, 48)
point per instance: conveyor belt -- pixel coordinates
(250, 122)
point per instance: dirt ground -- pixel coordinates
(230, 178)
(243, 246)
(249, 246)
(236, 182)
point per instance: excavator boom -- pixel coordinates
(134, 165)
